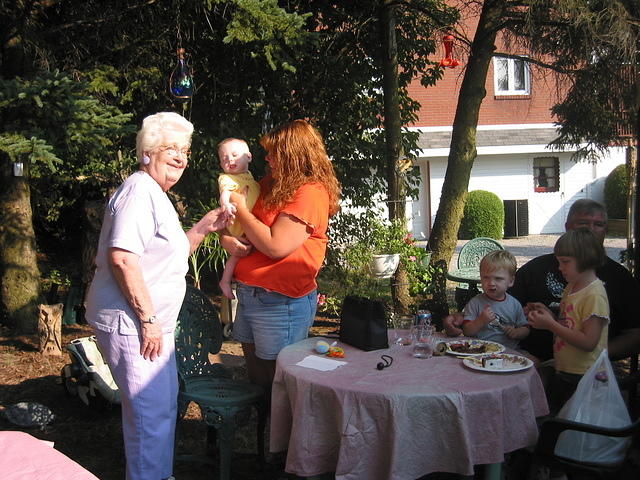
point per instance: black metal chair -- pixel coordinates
(220, 398)
(551, 429)
(629, 382)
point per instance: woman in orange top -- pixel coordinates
(276, 281)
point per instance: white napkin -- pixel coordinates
(320, 363)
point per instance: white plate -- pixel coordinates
(494, 347)
(511, 363)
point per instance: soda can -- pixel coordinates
(424, 317)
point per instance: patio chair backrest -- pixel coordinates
(198, 333)
(476, 248)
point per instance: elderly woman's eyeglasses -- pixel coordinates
(174, 151)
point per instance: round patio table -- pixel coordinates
(415, 417)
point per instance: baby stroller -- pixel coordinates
(88, 375)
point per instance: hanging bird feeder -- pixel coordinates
(448, 61)
(181, 80)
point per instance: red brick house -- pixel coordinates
(515, 126)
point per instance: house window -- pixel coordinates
(511, 76)
(546, 174)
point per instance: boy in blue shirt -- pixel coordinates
(494, 314)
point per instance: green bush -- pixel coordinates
(615, 192)
(483, 216)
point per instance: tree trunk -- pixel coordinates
(462, 152)
(634, 257)
(396, 194)
(19, 273)
(93, 213)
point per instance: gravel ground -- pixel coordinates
(526, 248)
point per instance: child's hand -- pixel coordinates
(541, 318)
(487, 316)
(452, 324)
(515, 333)
(530, 306)
(230, 210)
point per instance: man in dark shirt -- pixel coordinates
(540, 280)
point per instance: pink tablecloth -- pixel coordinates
(25, 457)
(416, 417)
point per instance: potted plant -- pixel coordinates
(348, 267)
(379, 252)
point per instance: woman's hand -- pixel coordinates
(216, 220)
(151, 347)
(239, 199)
(212, 221)
(234, 245)
(125, 267)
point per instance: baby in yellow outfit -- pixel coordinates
(234, 156)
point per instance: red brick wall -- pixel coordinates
(439, 101)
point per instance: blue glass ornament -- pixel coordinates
(181, 81)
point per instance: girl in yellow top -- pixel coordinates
(582, 327)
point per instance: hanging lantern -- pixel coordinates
(18, 169)
(448, 61)
(181, 80)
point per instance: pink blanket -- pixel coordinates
(25, 457)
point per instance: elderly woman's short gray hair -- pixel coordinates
(156, 125)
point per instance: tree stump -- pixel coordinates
(50, 329)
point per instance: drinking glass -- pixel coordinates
(422, 336)
(402, 325)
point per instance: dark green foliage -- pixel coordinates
(592, 50)
(256, 64)
(70, 140)
(615, 192)
(483, 216)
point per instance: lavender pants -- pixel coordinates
(148, 391)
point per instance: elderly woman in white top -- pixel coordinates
(138, 288)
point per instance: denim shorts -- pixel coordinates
(271, 320)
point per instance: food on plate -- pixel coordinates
(498, 362)
(474, 347)
(492, 361)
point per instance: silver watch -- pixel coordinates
(151, 319)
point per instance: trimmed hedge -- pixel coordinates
(483, 216)
(615, 192)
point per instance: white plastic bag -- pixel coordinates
(597, 401)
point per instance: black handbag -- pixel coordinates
(363, 323)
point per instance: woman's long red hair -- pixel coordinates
(298, 156)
